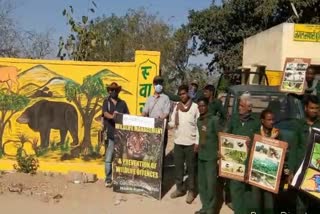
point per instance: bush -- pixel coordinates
(26, 163)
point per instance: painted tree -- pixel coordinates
(86, 97)
(10, 104)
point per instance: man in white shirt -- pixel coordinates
(184, 121)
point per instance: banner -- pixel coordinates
(307, 178)
(294, 75)
(138, 154)
(233, 150)
(306, 33)
(266, 163)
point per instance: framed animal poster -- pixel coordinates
(266, 163)
(138, 155)
(233, 151)
(307, 178)
(294, 75)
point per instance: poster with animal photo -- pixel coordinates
(233, 151)
(294, 74)
(307, 178)
(138, 153)
(266, 163)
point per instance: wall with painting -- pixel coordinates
(52, 108)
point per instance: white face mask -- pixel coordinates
(158, 88)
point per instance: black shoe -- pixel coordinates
(200, 212)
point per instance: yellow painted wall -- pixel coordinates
(33, 75)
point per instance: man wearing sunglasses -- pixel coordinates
(111, 105)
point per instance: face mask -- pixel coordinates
(158, 88)
(191, 93)
(114, 94)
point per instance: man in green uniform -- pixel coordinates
(305, 203)
(207, 160)
(313, 85)
(243, 124)
(263, 200)
(215, 105)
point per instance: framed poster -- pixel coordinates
(307, 178)
(138, 155)
(266, 163)
(294, 75)
(233, 150)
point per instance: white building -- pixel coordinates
(271, 48)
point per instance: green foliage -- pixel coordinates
(41, 152)
(26, 163)
(82, 38)
(221, 29)
(65, 147)
(54, 146)
(91, 87)
(266, 166)
(1, 153)
(12, 102)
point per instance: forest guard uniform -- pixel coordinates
(241, 194)
(207, 163)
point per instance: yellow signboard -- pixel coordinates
(52, 108)
(306, 33)
(274, 77)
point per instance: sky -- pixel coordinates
(44, 15)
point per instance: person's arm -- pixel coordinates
(222, 111)
(172, 122)
(105, 109)
(197, 130)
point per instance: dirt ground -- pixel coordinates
(52, 193)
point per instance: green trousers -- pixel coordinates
(248, 199)
(184, 154)
(210, 196)
(307, 204)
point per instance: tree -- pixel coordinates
(8, 35)
(36, 45)
(221, 29)
(82, 38)
(86, 97)
(10, 104)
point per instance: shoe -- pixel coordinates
(200, 212)
(108, 184)
(190, 197)
(177, 194)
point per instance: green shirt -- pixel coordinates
(247, 128)
(303, 130)
(216, 107)
(208, 137)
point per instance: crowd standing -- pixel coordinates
(196, 120)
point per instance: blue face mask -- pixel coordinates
(191, 93)
(158, 88)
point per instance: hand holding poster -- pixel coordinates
(294, 75)
(233, 152)
(307, 178)
(137, 166)
(266, 163)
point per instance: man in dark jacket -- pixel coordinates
(111, 105)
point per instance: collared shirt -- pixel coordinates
(157, 106)
(187, 132)
(108, 106)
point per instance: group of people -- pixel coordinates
(196, 121)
